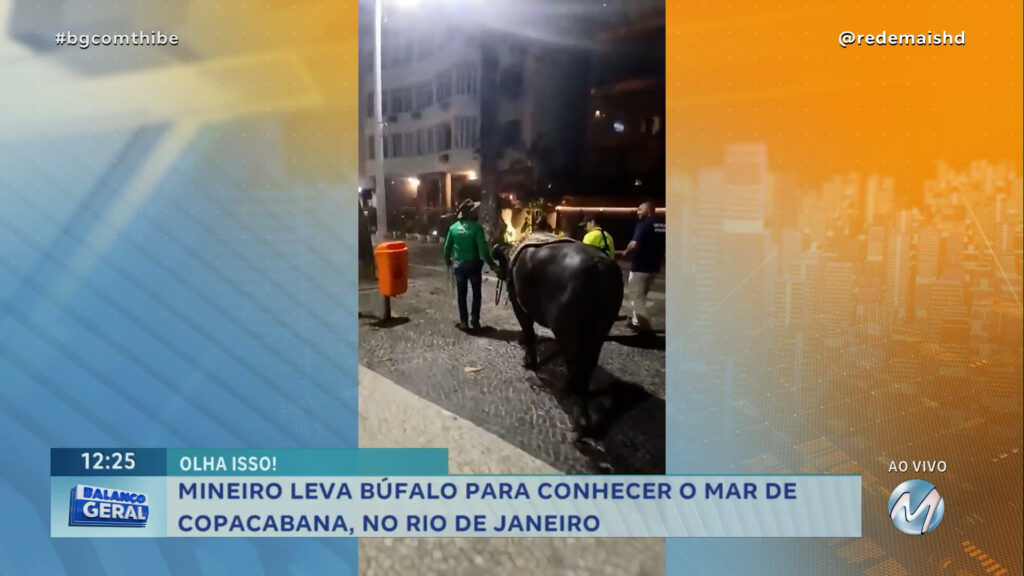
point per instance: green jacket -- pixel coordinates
(465, 241)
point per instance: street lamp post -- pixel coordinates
(378, 104)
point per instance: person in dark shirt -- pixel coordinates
(647, 250)
(366, 264)
(371, 219)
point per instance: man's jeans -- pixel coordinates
(469, 272)
(638, 285)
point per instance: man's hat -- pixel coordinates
(467, 209)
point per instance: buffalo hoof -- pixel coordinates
(584, 428)
(582, 420)
(583, 438)
(596, 453)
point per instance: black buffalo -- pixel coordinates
(576, 292)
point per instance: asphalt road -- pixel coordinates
(480, 377)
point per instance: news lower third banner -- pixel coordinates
(366, 493)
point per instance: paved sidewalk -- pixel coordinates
(480, 377)
(390, 416)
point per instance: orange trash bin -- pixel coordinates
(392, 259)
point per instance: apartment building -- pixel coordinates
(434, 106)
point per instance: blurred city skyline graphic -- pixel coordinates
(846, 240)
(172, 247)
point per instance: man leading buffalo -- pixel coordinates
(647, 249)
(465, 248)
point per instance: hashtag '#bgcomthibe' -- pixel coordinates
(60, 39)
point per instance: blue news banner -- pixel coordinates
(360, 493)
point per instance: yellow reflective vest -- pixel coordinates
(601, 240)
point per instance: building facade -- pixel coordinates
(435, 105)
(625, 151)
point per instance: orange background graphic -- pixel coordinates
(844, 270)
(775, 72)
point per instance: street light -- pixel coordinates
(378, 105)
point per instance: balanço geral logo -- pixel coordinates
(109, 507)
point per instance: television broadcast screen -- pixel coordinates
(511, 287)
